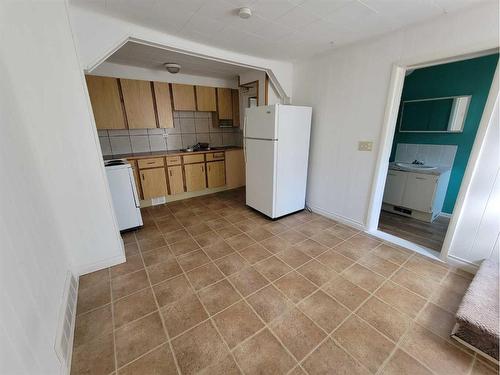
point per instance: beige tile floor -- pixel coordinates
(212, 287)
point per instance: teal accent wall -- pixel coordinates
(467, 77)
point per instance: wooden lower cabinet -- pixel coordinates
(235, 169)
(195, 176)
(153, 182)
(216, 175)
(175, 180)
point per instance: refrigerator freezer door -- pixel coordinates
(261, 123)
(260, 175)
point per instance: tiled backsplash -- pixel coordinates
(434, 155)
(189, 129)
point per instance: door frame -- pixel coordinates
(387, 138)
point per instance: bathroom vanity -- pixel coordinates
(415, 192)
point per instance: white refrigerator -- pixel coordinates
(276, 150)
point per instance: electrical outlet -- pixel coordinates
(365, 145)
(165, 135)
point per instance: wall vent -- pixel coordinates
(67, 314)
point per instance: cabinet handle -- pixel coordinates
(150, 162)
(391, 174)
(142, 175)
(420, 178)
(170, 172)
(209, 168)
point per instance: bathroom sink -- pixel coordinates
(415, 167)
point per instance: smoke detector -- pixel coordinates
(245, 13)
(172, 67)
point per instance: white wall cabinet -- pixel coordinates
(419, 195)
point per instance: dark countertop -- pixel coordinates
(142, 155)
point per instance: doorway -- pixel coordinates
(429, 142)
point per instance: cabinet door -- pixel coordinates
(175, 180)
(224, 104)
(195, 176)
(154, 183)
(235, 94)
(183, 96)
(235, 168)
(106, 104)
(216, 175)
(163, 104)
(205, 99)
(394, 187)
(419, 191)
(138, 100)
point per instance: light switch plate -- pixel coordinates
(365, 145)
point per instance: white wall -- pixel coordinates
(348, 91)
(96, 34)
(109, 69)
(55, 212)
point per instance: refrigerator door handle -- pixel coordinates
(244, 139)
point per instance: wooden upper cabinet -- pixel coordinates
(235, 96)
(163, 104)
(183, 96)
(106, 104)
(138, 101)
(205, 99)
(224, 104)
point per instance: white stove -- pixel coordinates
(124, 193)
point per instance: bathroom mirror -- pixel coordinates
(434, 115)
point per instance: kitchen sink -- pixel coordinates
(415, 167)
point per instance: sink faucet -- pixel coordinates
(417, 162)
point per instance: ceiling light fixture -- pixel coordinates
(245, 13)
(172, 67)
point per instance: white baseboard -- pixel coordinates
(105, 263)
(178, 197)
(463, 264)
(336, 217)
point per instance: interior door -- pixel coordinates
(261, 123)
(260, 161)
(394, 187)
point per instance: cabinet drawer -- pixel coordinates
(150, 163)
(173, 160)
(189, 159)
(215, 156)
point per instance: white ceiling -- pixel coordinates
(279, 29)
(145, 56)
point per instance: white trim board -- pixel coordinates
(337, 217)
(105, 263)
(406, 244)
